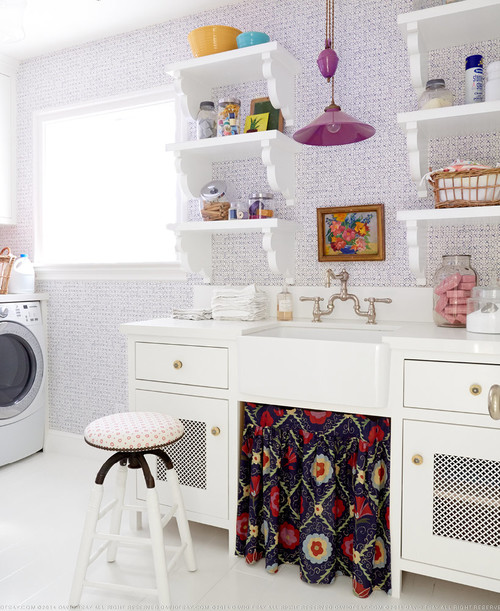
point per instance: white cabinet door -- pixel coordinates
(7, 158)
(200, 457)
(451, 497)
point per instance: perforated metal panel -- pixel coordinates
(189, 456)
(466, 499)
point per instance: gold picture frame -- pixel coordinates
(351, 233)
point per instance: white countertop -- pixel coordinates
(399, 335)
(20, 297)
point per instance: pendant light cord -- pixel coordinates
(329, 21)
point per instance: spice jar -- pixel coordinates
(206, 121)
(228, 117)
(260, 205)
(435, 95)
(453, 283)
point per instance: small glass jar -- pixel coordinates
(453, 283)
(260, 206)
(228, 117)
(435, 95)
(206, 121)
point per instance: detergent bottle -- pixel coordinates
(22, 276)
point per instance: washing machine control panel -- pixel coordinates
(27, 313)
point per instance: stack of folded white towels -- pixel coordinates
(192, 314)
(249, 303)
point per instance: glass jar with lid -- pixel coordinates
(206, 121)
(228, 117)
(453, 283)
(260, 205)
(435, 95)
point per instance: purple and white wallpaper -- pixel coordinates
(87, 354)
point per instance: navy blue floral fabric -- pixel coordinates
(314, 491)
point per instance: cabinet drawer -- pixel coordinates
(454, 387)
(179, 364)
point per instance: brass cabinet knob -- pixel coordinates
(494, 402)
(177, 364)
(475, 389)
(215, 431)
(417, 459)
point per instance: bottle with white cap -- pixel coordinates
(22, 276)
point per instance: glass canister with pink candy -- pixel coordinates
(453, 282)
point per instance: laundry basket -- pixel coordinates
(474, 187)
(6, 261)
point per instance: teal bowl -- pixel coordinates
(247, 39)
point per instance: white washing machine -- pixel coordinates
(22, 379)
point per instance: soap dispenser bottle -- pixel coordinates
(284, 305)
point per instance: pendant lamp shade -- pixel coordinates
(332, 128)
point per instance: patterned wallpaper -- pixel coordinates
(87, 354)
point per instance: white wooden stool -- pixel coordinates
(131, 435)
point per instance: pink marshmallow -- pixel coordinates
(466, 286)
(456, 294)
(448, 283)
(454, 310)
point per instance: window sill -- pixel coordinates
(110, 271)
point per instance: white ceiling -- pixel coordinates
(56, 24)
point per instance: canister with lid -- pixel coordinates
(260, 205)
(228, 117)
(453, 282)
(492, 87)
(483, 310)
(206, 121)
(214, 201)
(435, 95)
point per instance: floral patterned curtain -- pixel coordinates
(314, 491)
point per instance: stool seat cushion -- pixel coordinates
(133, 431)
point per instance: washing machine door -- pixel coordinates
(21, 369)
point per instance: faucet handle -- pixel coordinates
(371, 307)
(316, 309)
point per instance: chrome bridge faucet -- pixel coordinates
(343, 295)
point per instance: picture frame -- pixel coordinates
(351, 233)
(260, 105)
(256, 123)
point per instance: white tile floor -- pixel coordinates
(42, 504)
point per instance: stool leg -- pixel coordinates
(84, 552)
(158, 546)
(182, 522)
(116, 514)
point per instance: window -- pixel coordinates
(107, 189)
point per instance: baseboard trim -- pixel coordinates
(70, 444)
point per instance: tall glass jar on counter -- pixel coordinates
(453, 282)
(206, 121)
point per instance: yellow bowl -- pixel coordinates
(212, 39)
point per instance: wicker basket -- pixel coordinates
(6, 261)
(475, 187)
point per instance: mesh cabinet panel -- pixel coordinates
(466, 499)
(189, 456)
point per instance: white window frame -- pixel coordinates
(96, 271)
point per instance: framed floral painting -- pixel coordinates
(351, 233)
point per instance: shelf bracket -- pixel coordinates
(418, 60)
(280, 249)
(418, 155)
(195, 253)
(416, 237)
(280, 167)
(280, 86)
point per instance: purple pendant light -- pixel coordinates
(333, 127)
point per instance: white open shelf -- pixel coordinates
(446, 26)
(194, 243)
(195, 78)
(418, 221)
(422, 125)
(194, 159)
